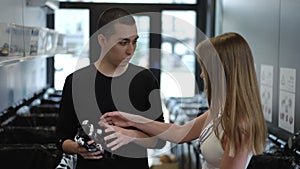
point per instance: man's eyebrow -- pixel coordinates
(128, 39)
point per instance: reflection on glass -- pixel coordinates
(74, 23)
(137, 1)
(141, 55)
(178, 59)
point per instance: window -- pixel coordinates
(74, 23)
(136, 1)
(141, 55)
(177, 53)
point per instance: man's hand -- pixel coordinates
(86, 154)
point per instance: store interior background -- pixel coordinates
(271, 28)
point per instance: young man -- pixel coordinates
(111, 83)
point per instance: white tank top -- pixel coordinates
(211, 148)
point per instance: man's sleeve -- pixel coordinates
(66, 126)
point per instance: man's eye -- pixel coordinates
(123, 43)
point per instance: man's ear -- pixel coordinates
(102, 40)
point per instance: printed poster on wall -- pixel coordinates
(266, 90)
(287, 86)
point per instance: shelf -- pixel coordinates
(4, 61)
(9, 60)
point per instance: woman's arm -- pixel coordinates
(165, 131)
(121, 136)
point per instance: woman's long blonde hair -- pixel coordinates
(237, 95)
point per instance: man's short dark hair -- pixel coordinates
(111, 16)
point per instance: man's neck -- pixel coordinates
(108, 69)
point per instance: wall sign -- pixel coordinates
(266, 90)
(287, 86)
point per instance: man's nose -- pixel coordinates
(130, 48)
(202, 75)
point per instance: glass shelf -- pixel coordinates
(4, 61)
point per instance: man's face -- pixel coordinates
(122, 44)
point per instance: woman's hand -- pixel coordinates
(117, 118)
(118, 137)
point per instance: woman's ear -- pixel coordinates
(101, 40)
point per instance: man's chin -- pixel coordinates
(124, 63)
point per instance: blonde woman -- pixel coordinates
(233, 129)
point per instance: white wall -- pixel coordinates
(272, 29)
